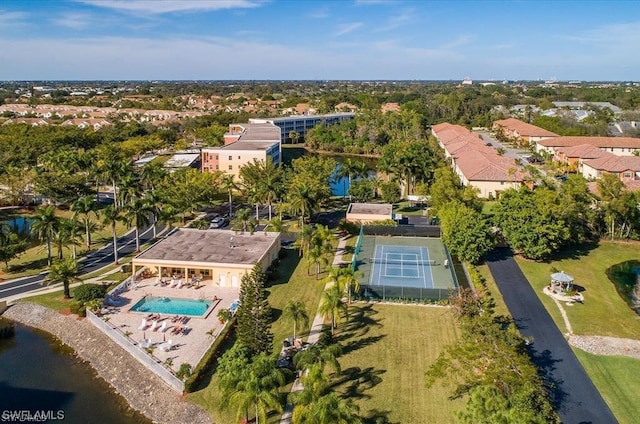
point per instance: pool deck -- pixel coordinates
(188, 348)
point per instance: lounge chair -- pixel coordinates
(143, 324)
(179, 284)
(166, 346)
(185, 331)
(177, 329)
(173, 283)
(163, 327)
(154, 326)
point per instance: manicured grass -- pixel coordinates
(349, 248)
(501, 307)
(407, 208)
(293, 284)
(54, 300)
(34, 260)
(616, 379)
(387, 350)
(604, 312)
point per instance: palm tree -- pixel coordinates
(346, 279)
(243, 221)
(44, 226)
(316, 255)
(328, 409)
(296, 312)
(154, 204)
(331, 306)
(86, 207)
(111, 216)
(323, 356)
(304, 240)
(302, 201)
(228, 184)
(136, 213)
(152, 174)
(294, 136)
(259, 390)
(114, 168)
(64, 271)
(67, 233)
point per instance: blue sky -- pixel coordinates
(340, 39)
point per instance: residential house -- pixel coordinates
(518, 131)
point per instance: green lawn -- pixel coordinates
(387, 350)
(54, 300)
(501, 307)
(409, 208)
(616, 379)
(34, 260)
(293, 284)
(349, 248)
(604, 312)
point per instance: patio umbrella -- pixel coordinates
(144, 336)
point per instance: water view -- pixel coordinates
(39, 374)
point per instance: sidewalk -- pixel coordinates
(314, 332)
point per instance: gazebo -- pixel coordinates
(561, 279)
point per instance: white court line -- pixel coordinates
(381, 255)
(424, 277)
(430, 271)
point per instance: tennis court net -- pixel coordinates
(401, 262)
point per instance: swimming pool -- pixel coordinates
(173, 306)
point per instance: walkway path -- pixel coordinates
(314, 332)
(576, 398)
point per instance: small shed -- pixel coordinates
(561, 279)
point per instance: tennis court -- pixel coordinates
(404, 267)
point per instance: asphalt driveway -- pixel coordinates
(576, 398)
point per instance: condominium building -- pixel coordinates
(300, 124)
(243, 144)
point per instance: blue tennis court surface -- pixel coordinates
(401, 266)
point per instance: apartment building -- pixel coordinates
(476, 164)
(244, 143)
(619, 146)
(300, 124)
(517, 130)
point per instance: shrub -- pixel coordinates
(184, 371)
(82, 311)
(73, 307)
(126, 268)
(87, 292)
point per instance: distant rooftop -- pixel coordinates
(371, 208)
(181, 160)
(211, 246)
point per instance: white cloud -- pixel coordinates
(347, 28)
(168, 6)
(399, 20)
(612, 34)
(460, 40)
(8, 19)
(77, 21)
(321, 13)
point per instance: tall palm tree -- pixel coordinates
(316, 255)
(137, 213)
(331, 306)
(346, 279)
(228, 184)
(111, 216)
(294, 136)
(45, 224)
(304, 240)
(259, 390)
(64, 271)
(152, 174)
(324, 356)
(297, 313)
(154, 204)
(85, 207)
(243, 221)
(302, 201)
(114, 168)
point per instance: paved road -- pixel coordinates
(576, 398)
(92, 262)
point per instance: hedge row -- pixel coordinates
(193, 382)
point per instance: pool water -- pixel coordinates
(172, 306)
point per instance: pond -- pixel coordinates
(339, 186)
(625, 277)
(40, 374)
(19, 224)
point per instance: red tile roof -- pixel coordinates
(613, 163)
(601, 142)
(524, 129)
(583, 151)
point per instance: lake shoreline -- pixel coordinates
(141, 388)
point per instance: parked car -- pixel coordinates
(217, 222)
